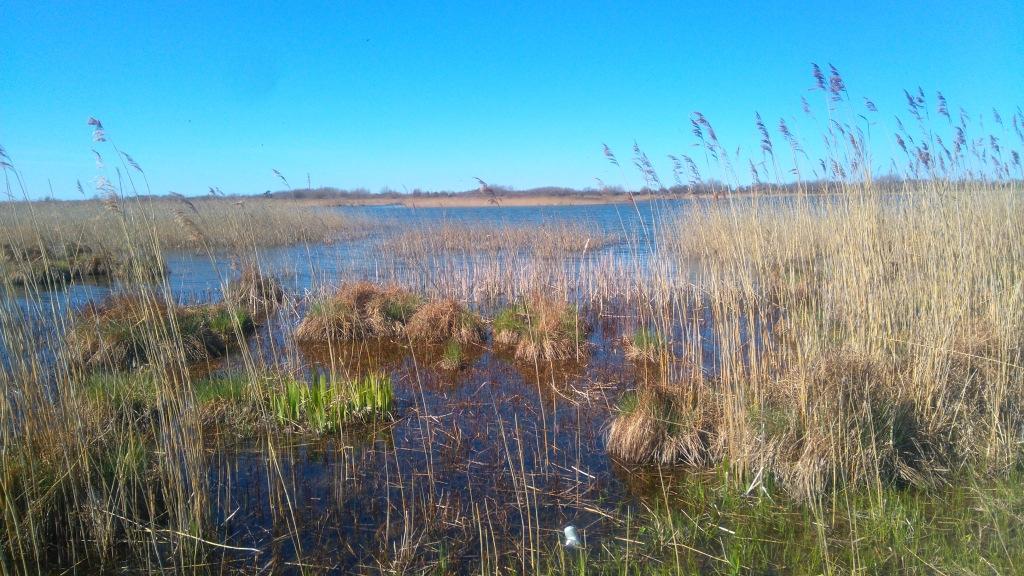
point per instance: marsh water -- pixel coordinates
(501, 446)
(301, 268)
(481, 465)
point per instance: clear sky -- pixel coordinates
(433, 94)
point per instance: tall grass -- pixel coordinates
(867, 338)
(866, 335)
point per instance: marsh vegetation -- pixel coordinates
(767, 383)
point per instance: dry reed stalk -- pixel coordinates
(893, 354)
(254, 292)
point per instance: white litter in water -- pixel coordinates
(572, 540)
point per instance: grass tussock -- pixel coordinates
(443, 321)
(55, 266)
(253, 291)
(447, 330)
(666, 425)
(542, 328)
(358, 310)
(644, 345)
(128, 331)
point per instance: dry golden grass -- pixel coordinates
(542, 328)
(443, 321)
(254, 292)
(892, 334)
(678, 424)
(113, 334)
(552, 240)
(446, 334)
(356, 311)
(174, 224)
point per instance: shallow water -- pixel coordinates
(491, 460)
(501, 435)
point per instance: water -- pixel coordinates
(523, 442)
(513, 448)
(199, 277)
(306, 266)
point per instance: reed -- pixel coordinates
(892, 355)
(545, 240)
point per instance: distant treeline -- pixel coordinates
(709, 188)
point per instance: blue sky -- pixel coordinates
(433, 94)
